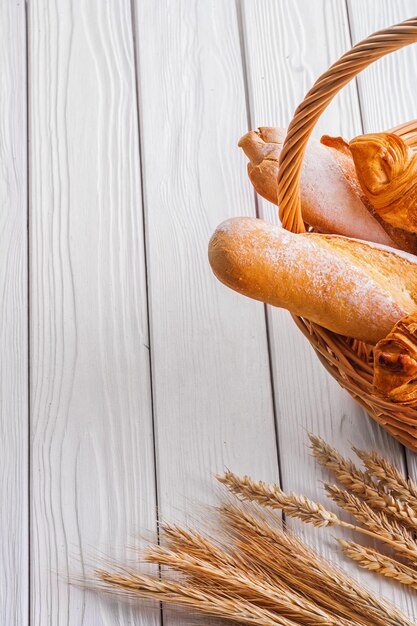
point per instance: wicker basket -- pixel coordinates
(350, 362)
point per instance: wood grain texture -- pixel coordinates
(212, 393)
(387, 88)
(14, 540)
(288, 45)
(92, 447)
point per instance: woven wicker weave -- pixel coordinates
(350, 362)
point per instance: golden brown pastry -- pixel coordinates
(350, 287)
(387, 172)
(395, 363)
(342, 154)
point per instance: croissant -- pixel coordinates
(395, 363)
(387, 172)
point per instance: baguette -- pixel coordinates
(330, 194)
(351, 287)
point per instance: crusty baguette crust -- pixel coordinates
(330, 202)
(350, 287)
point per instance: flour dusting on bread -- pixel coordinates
(337, 282)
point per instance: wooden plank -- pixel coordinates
(387, 93)
(387, 88)
(212, 393)
(288, 45)
(92, 446)
(14, 544)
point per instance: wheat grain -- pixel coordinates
(388, 531)
(379, 563)
(243, 585)
(271, 495)
(196, 545)
(361, 484)
(216, 604)
(286, 557)
(314, 513)
(258, 574)
(389, 476)
(347, 473)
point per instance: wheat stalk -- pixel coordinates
(196, 545)
(388, 531)
(286, 557)
(242, 584)
(256, 572)
(361, 484)
(186, 595)
(312, 512)
(389, 476)
(380, 563)
(272, 496)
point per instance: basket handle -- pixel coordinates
(315, 102)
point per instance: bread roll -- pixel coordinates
(330, 193)
(351, 287)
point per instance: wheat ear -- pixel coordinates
(346, 472)
(389, 476)
(286, 557)
(314, 513)
(182, 594)
(196, 545)
(361, 484)
(242, 584)
(379, 563)
(388, 531)
(272, 496)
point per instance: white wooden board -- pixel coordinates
(92, 450)
(14, 442)
(212, 393)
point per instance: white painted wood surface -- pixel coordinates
(211, 381)
(92, 460)
(14, 441)
(146, 375)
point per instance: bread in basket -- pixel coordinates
(350, 360)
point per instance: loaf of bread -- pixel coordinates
(330, 193)
(350, 287)
(387, 172)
